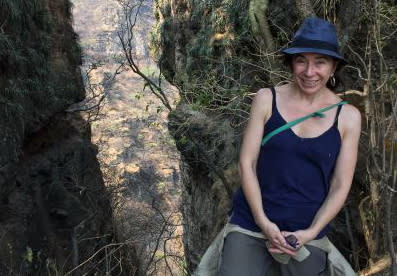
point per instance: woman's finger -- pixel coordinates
(285, 250)
(276, 239)
(275, 250)
(281, 240)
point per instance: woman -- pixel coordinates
(297, 182)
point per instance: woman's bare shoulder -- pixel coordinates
(264, 94)
(350, 113)
(350, 119)
(262, 102)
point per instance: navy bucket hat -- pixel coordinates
(315, 36)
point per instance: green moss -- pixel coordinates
(26, 44)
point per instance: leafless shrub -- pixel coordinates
(96, 91)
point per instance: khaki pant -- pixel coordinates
(244, 255)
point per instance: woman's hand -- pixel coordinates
(277, 240)
(303, 236)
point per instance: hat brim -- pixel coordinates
(298, 50)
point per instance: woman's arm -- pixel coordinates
(350, 125)
(260, 113)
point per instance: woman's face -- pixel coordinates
(311, 71)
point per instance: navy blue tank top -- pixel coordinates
(294, 175)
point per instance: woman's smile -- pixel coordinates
(309, 83)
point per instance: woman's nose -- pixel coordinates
(309, 69)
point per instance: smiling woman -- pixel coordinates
(312, 71)
(294, 184)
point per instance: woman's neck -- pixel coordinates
(305, 98)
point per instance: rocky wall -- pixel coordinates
(57, 212)
(54, 209)
(39, 72)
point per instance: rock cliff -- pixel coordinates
(54, 211)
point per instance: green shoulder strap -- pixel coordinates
(318, 113)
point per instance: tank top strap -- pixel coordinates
(274, 98)
(337, 114)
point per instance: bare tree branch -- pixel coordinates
(126, 34)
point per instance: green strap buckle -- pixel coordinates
(318, 114)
